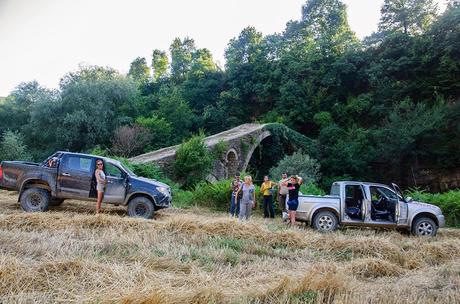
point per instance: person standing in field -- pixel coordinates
(266, 189)
(282, 193)
(236, 197)
(248, 201)
(101, 181)
(293, 203)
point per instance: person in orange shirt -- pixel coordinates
(267, 189)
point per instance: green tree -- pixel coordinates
(12, 147)
(95, 101)
(181, 57)
(202, 62)
(15, 109)
(175, 110)
(159, 64)
(193, 161)
(408, 16)
(160, 130)
(298, 164)
(139, 70)
(244, 49)
(327, 22)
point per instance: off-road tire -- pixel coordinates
(141, 206)
(424, 226)
(56, 202)
(325, 221)
(35, 200)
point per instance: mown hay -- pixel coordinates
(72, 255)
(374, 268)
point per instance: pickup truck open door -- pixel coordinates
(115, 190)
(401, 208)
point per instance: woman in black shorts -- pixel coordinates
(293, 203)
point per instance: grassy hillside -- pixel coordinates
(194, 256)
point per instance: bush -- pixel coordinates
(219, 149)
(12, 147)
(193, 161)
(449, 202)
(299, 164)
(215, 196)
(311, 189)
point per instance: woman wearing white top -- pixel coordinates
(248, 201)
(101, 182)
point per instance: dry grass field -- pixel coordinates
(193, 256)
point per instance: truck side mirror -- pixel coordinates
(409, 199)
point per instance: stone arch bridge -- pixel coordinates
(241, 143)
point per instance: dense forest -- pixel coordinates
(382, 108)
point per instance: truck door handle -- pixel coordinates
(65, 174)
(109, 182)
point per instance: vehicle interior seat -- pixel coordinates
(380, 208)
(354, 204)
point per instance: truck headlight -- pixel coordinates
(163, 190)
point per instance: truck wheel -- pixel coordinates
(141, 207)
(35, 200)
(424, 226)
(56, 202)
(325, 221)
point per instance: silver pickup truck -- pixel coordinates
(368, 204)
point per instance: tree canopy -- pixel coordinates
(384, 108)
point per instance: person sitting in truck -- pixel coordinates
(293, 203)
(101, 182)
(52, 162)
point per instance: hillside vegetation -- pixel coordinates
(195, 256)
(384, 108)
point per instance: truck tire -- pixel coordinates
(141, 206)
(325, 221)
(35, 200)
(56, 202)
(424, 226)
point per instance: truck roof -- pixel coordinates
(359, 182)
(91, 155)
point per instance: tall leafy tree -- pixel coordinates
(181, 57)
(95, 101)
(408, 16)
(159, 64)
(244, 49)
(139, 70)
(176, 111)
(327, 22)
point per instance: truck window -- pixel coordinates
(113, 170)
(77, 163)
(377, 192)
(335, 189)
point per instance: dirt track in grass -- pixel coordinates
(193, 256)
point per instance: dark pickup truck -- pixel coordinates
(66, 175)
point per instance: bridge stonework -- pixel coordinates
(241, 142)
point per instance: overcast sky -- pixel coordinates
(44, 39)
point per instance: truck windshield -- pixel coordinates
(335, 190)
(127, 170)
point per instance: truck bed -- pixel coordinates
(15, 171)
(309, 203)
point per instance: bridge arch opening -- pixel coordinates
(267, 155)
(232, 163)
